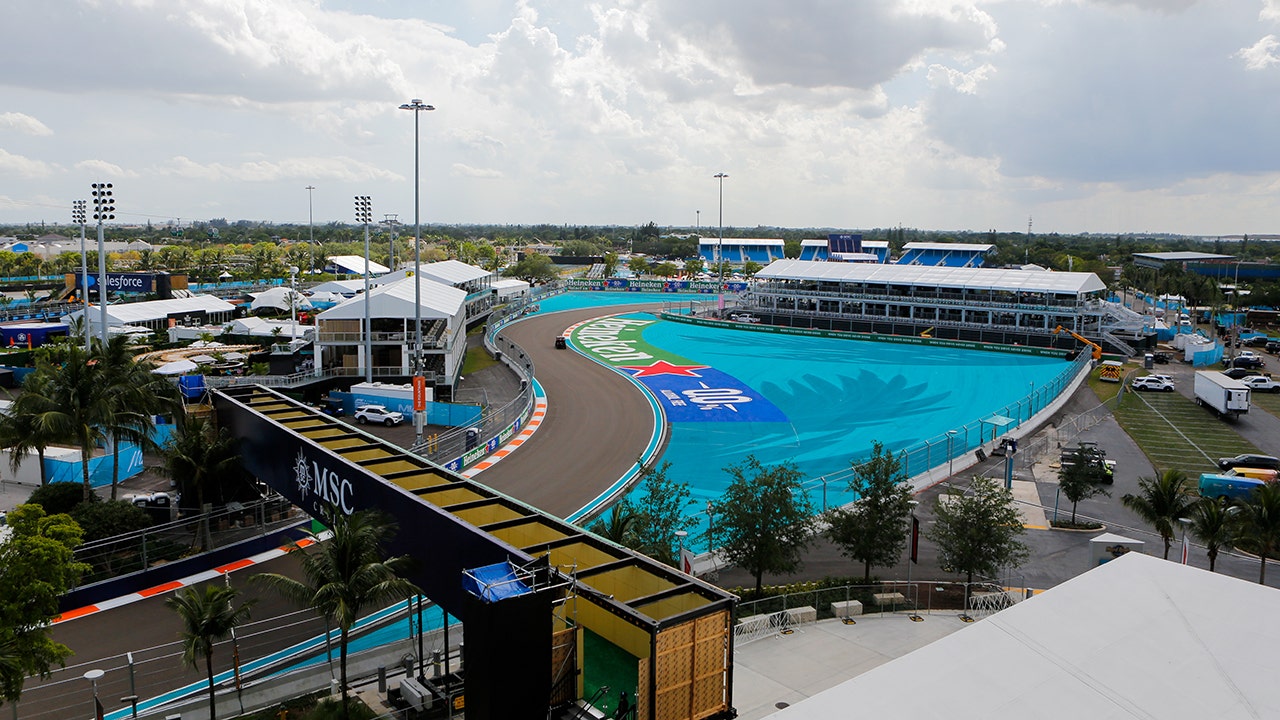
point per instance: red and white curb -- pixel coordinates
(196, 579)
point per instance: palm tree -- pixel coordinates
(1161, 502)
(68, 400)
(207, 617)
(1261, 524)
(1214, 524)
(137, 395)
(618, 526)
(196, 456)
(20, 433)
(346, 574)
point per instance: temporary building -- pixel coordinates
(278, 298)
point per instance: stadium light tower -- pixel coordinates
(364, 215)
(104, 207)
(417, 106)
(78, 215)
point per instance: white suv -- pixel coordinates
(378, 414)
(1153, 382)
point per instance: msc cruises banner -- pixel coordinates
(688, 391)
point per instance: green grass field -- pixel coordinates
(1174, 432)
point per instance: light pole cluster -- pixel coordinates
(78, 215)
(391, 221)
(417, 106)
(364, 215)
(104, 208)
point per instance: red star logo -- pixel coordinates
(662, 367)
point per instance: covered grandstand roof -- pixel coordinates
(453, 272)
(972, 278)
(395, 300)
(762, 242)
(1183, 256)
(822, 242)
(1137, 637)
(141, 312)
(960, 247)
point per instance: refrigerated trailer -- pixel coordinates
(1227, 397)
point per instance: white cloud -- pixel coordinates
(1261, 55)
(24, 124)
(342, 169)
(104, 169)
(23, 166)
(1270, 11)
(461, 169)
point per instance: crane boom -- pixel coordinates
(1097, 349)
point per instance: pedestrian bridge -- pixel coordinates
(668, 632)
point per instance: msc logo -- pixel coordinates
(325, 483)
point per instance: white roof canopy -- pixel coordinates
(395, 300)
(453, 272)
(355, 264)
(970, 278)
(1137, 637)
(141, 312)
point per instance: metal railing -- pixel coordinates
(136, 551)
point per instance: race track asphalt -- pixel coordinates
(596, 427)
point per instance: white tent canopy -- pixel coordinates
(355, 264)
(278, 298)
(345, 288)
(177, 367)
(396, 301)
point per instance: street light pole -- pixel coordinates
(680, 536)
(92, 676)
(951, 456)
(389, 219)
(311, 231)
(417, 106)
(293, 304)
(711, 541)
(103, 209)
(364, 214)
(720, 243)
(78, 214)
(911, 555)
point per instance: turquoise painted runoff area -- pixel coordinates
(840, 396)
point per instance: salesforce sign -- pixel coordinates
(124, 282)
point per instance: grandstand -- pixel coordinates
(820, 249)
(955, 255)
(1011, 307)
(737, 251)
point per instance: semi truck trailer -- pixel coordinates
(1227, 397)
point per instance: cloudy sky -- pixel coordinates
(1084, 115)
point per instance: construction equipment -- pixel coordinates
(1097, 349)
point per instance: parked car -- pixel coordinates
(1153, 382)
(1256, 341)
(1249, 361)
(378, 414)
(1160, 358)
(744, 317)
(1093, 456)
(1272, 346)
(1240, 373)
(1249, 460)
(1261, 383)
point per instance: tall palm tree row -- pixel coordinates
(346, 574)
(86, 399)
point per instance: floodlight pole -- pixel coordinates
(911, 504)
(364, 214)
(78, 214)
(103, 207)
(417, 106)
(720, 242)
(311, 231)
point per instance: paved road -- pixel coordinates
(597, 422)
(101, 641)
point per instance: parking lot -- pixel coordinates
(1175, 433)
